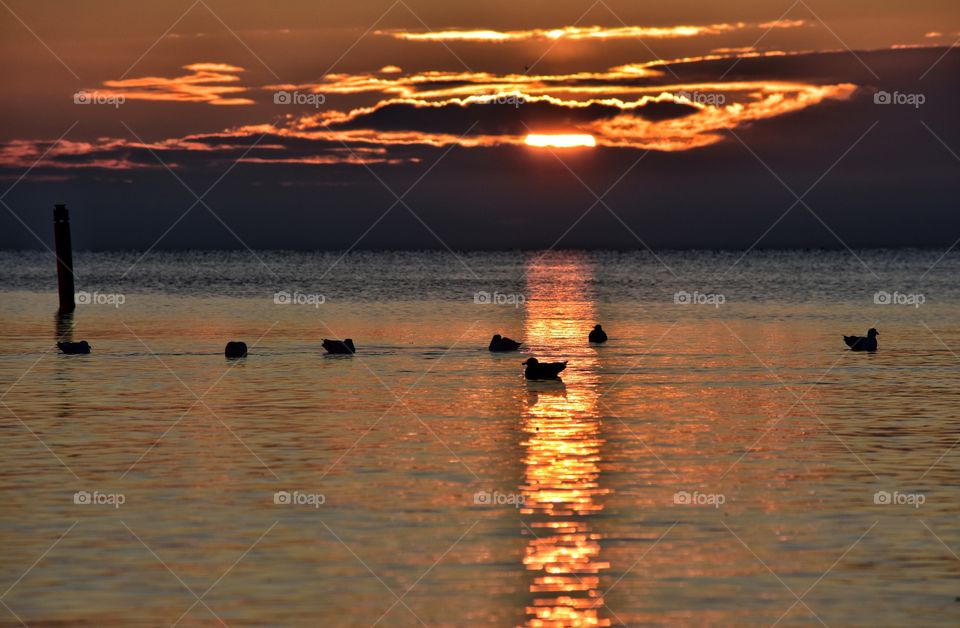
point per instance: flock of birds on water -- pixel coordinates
(534, 369)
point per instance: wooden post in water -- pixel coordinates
(61, 235)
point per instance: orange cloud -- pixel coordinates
(329, 160)
(624, 80)
(634, 106)
(206, 83)
(734, 51)
(782, 24)
(704, 128)
(716, 107)
(67, 155)
(576, 33)
(353, 137)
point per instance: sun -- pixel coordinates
(574, 140)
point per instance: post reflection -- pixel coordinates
(63, 322)
(563, 447)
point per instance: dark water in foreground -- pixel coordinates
(721, 462)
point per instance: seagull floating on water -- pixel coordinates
(598, 335)
(861, 343)
(74, 348)
(499, 343)
(542, 370)
(339, 347)
(235, 349)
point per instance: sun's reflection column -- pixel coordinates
(563, 448)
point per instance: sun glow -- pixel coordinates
(560, 141)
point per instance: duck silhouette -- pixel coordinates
(861, 343)
(542, 370)
(339, 347)
(499, 343)
(598, 335)
(74, 348)
(235, 349)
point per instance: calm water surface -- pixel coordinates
(708, 466)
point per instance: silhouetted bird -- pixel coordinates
(860, 343)
(542, 370)
(598, 335)
(235, 350)
(499, 343)
(339, 347)
(74, 348)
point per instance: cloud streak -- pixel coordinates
(686, 117)
(208, 83)
(634, 106)
(584, 33)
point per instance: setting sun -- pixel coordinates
(560, 141)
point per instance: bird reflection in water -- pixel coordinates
(562, 452)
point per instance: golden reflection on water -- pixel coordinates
(562, 450)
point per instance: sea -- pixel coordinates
(723, 460)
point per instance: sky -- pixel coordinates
(412, 124)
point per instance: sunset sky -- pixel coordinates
(696, 124)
